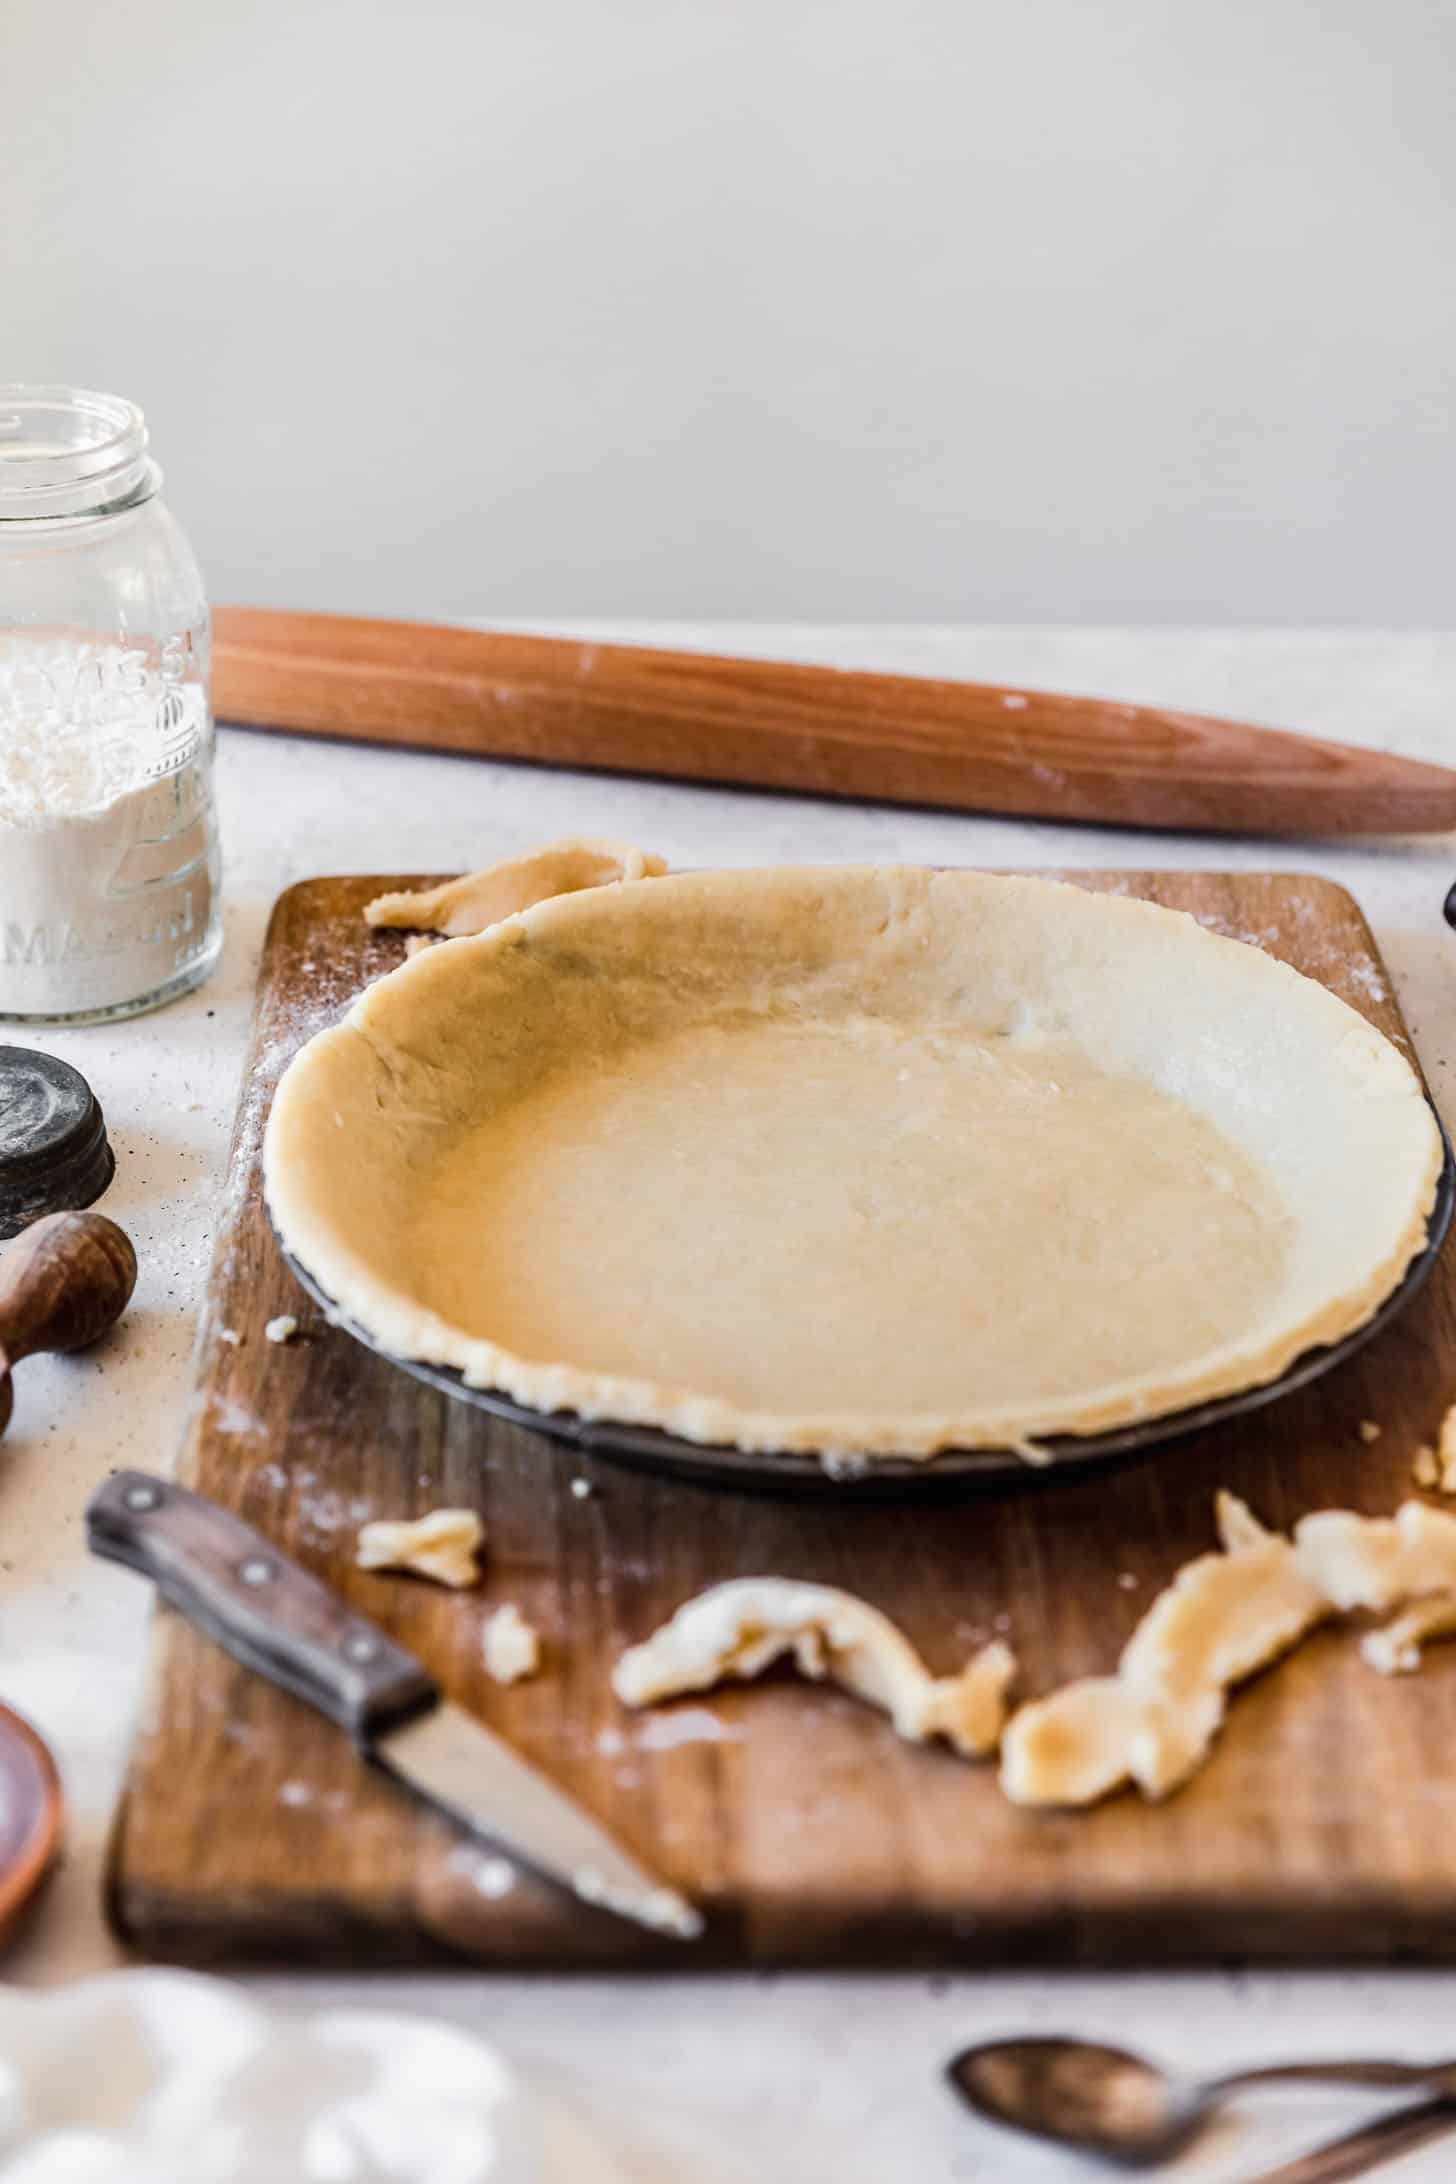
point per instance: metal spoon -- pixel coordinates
(1109, 2102)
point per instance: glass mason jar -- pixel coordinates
(109, 870)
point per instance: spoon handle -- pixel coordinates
(1369, 2148)
(1437, 2077)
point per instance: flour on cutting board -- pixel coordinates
(228, 1415)
(685, 1725)
(489, 1875)
(301, 1796)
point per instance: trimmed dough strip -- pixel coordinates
(738, 1629)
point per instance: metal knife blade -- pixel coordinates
(274, 1617)
(451, 1760)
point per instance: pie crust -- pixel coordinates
(868, 1161)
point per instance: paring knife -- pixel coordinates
(820, 731)
(275, 1617)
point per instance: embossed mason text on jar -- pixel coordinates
(108, 841)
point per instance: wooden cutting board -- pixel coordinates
(1325, 1825)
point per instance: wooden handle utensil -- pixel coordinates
(63, 1282)
(821, 731)
(32, 1812)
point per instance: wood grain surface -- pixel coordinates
(823, 731)
(1325, 1825)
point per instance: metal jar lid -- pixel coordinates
(54, 1152)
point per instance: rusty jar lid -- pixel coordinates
(54, 1151)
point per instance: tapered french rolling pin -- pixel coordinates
(820, 731)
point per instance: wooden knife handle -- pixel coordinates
(821, 731)
(257, 1604)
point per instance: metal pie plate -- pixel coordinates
(648, 1448)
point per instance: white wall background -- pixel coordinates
(1091, 310)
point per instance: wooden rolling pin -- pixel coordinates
(819, 730)
(63, 1282)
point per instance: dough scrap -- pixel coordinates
(1395, 1649)
(283, 1328)
(481, 899)
(737, 1629)
(1446, 1451)
(509, 1646)
(1092, 1736)
(1379, 1562)
(442, 1545)
(1224, 1616)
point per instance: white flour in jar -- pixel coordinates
(107, 857)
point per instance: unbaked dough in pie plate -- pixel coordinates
(857, 1164)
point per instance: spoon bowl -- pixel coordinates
(1108, 2101)
(1100, 2099)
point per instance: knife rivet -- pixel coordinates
(360, 1647)
(142, 1497)
(256, 1571)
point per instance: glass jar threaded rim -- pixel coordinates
(68, 452)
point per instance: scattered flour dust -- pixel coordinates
(1368, 978)
(489, 1876)
(687, 1725)
(233, 1418)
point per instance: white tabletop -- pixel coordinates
(768, 2078)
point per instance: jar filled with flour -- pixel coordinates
(108, 842)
